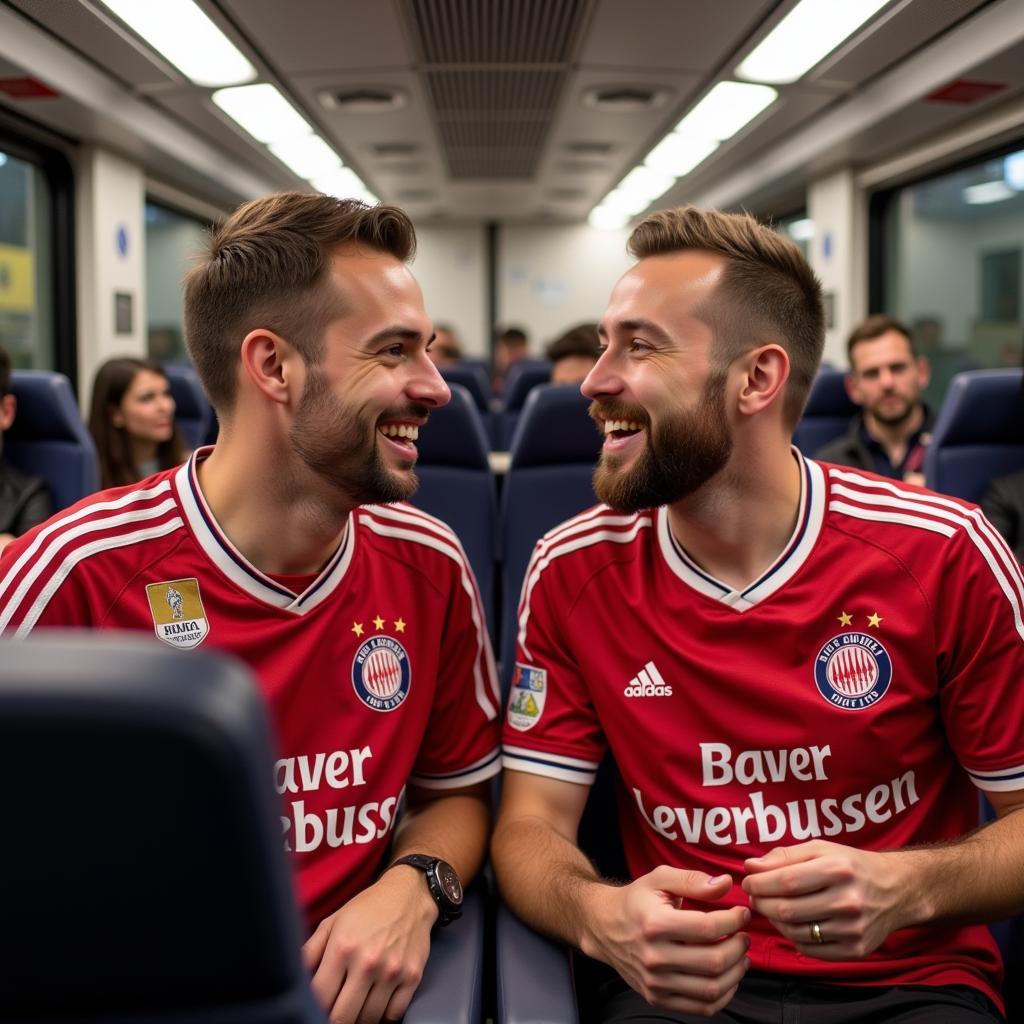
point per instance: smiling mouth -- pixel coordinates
(618, 429)
(404, 435)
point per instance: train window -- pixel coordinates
(26, 279)
(172, 238)
(953, 266)
(799, 228)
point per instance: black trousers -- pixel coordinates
(771, 999)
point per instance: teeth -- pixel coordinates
(411, 433)
(610, 426)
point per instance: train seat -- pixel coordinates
(456, 485)
(48, 437)
(978, 434)
(549, 480)
(193, 413)
(146, 881)
(521, 379)
(828, 413)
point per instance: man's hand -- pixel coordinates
(681, 959)
(367, 958)
(856, 897)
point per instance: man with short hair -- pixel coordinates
(573, 354)
(24, 499)
(804, 675)
(886, 378)
(511, 346)
(288, 546)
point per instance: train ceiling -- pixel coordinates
(515, 110)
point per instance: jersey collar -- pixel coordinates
(232, 562)
(798, 548)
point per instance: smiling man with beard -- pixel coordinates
(360, 619)
(804, 674)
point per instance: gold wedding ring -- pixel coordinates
(816, 935)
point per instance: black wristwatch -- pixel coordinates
(443, 883)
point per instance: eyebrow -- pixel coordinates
(399, 331)
(647, 327)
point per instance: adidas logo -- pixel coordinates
(648, 683)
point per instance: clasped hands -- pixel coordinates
(692, 960)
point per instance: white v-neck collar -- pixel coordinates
(233, 563)
(808, 526)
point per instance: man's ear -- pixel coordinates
(766, 370)
(8, 410)
(269, 363)
(852, 390)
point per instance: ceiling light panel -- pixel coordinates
(988, 192)
(805, 37)
(180, 32)
(307, 156)
(678, 155)
(727, 108)
(263, 112)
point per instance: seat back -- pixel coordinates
(48, 437)
(473, 377)
(521, 379)
(145, 879)
(456, 485)
(979, 433)
(193, 413)
(550, 479)
(828, 413)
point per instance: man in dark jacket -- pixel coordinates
(886, 379)
(24, 499)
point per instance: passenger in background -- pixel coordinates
(804, 681)
(24, 500)
(284, 545)
(573, 354)
(446, 350)
(886, 378)
(511, 346)
(1003, 505)
(131, 419)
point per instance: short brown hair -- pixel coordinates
(581, 340)
(768, 289)
(267, 266)
(874, 327)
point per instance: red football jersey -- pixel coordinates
(853, 693)
(377, 673)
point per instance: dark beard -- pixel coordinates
(681, 455)
(340, 446)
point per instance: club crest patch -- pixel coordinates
(853, 671)
(381, 674)
(179, 618)
(526, 697)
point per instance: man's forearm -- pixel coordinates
(976, 879)
(454, 828)
(551, 895)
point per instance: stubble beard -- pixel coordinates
(680, 456)
(339, 445)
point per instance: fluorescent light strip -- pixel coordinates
(344, 183)
(307, 156)
(263, 112)
(805, 37)
(678, 155)
(727, 108)
(179, 31)
(605, 219)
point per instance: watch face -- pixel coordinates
(450, 884)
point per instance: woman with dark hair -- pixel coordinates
(132, 421)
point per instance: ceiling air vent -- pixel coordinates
(387, 149)
(586, 148)
(624, 98)
(363, 101)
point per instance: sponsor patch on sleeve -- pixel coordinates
(526, 698)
